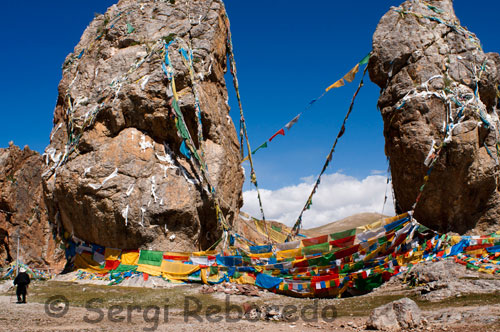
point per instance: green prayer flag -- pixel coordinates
(125, 268)
(130, 28)
(364, 61)
(381, 240)
(369, 283)
(316, 249)
(343, 234)
(276, 228)
(151, 257)
(264, 145)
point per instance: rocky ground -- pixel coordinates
(473, 306)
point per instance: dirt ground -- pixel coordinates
(111, 308)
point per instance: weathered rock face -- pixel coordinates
(115, 176)
(23, 210)
(428, 67)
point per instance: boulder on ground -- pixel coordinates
(398, 315)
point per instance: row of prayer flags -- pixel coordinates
(349, 77)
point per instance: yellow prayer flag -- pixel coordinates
(111, 254)
(349, 77)
(369, 227)
(337, 84)
(205, 253)
(85, 262)
(277, 236)
(264, 255)
(130, 258)
(173, 269)
(244, 279)
(149, 269)
(203, 274)
(455, 239)
(291, 253)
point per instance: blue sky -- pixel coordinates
(287, 52)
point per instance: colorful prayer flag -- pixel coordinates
(294, 121)
(279, 132)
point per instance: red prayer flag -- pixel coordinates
(322, 278)
(346, 252)
(314, 240)
(478, 246)
(111, 265)
(279, 132)
(345, 242)
(176, 258)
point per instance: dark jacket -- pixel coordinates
(22, 279)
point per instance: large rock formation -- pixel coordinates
(438, 86)
(23, 212)
(115, 176)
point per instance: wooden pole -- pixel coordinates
(17, 256)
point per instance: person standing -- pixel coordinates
(22, 281)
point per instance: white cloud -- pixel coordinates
(338, 196)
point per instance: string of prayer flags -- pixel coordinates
(243, 127)
(307, 206)
(188, 147)
(349, 77)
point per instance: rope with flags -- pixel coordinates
(187, 147)
(349, 77)
(243, 127)
(307, 206)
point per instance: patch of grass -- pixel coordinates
(478, 278)
(465, 300)
(363, 305)
(79, 295)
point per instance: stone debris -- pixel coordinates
(436, 281)
(231, 289)
(267, 313)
